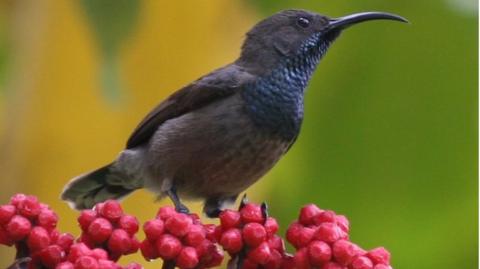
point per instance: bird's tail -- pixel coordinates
(88, 189)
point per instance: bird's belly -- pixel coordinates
(216, 151)
(226, 169)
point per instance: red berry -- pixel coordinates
(212, 256)
(333, 265)
(319, 253)
(6, 213)
(134, 245)
(230, 219)
(99, 254)
(52, 255)
(54, 234)
(153, 229)
(251, 213)
(17, 199)
(38, 239)
(217, 233)
(288, 262)
(168, 247)
(210, 231)
(204, 247)
(100, 230)
(129, 224)
(271, 226)
(195, 236)
(86, 262)
(231, 240)
(247, 264)
(179, 225)
(260, 254)
(254, 234)
(4, 238)
(342, 222)
(276, 242)
(65, 241)
(18, 228)
(87, 240)
(64, 265)
(344, 251)
(301, 259)
(274, 261)
(111, 210)
(29, 207)
(329, 232)
(86, 217)
(379, 255)
(47, 219)
(325, 216)
(78, 250)
(149, 251)
(217, 258)
(382, 266)
(307, 213)
(166, 212)
(305, 236)
(187, 259)
(119, 242)
(293, 233)
(98, 207)
(362, 262)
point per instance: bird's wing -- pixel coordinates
(212, 87)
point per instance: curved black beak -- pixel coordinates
(344, 22)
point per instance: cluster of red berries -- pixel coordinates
(25, 215)
(181, 239)
(81, 256)
(321, 240)
(107, 227)
(250, 235)
(31, 227)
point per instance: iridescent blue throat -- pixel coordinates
(275, 102)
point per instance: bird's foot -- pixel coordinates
(264, 208)
(213, 206)
(213, 212)
(243, 202)
(179, 207)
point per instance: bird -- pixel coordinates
(215, 137)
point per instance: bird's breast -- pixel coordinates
(275, 104)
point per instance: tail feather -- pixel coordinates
(88, 189)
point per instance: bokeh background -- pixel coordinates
(389, 138)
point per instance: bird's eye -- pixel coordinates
(303, 22)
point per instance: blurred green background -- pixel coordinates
(389, 137)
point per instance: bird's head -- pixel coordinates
(296, 33)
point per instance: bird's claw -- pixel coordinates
(243, 202)
(264, 208)
(181, 208)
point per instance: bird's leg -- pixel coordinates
(264, 208)
(243, 202)
(213, 206)
(179, 207)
